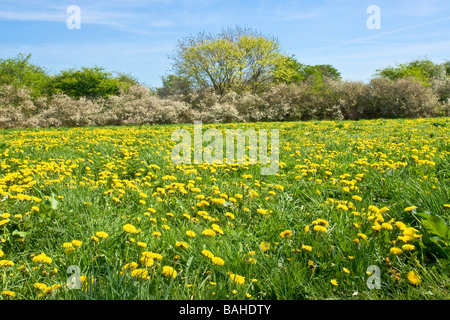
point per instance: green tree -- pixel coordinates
(234, 60)
(328, 71)
(127, 79)
(289, 70)
(174, 85)
(91, 83)
(20, 72)
(446, 67)
(422, 70)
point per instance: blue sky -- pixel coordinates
(136, 36)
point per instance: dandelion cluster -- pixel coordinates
(111, 202)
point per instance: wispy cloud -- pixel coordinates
(383, 34)
(421, 8)
(33, 16)
(93, 13)
(87, 17)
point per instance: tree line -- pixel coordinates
(208, 69)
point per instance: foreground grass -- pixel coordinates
(346, 194)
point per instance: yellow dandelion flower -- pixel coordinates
(208, 254)
(387, 226)
(209, 232)
(6, 263)
(400, 225)
(362, 235)
(334, 282)
(152, 255)
(219, 201)
(376, 226)
(130, 228)
(320, 228)
(77, 243)
(182, 245)
(8, 294)
(262, 211)
(413, 278)
(5, 221)
(321, 222)
(396, 250)
(237, 278)
(129, 266)
(218, 261)
(102, 235)
(229, 215)
(217, 228)
(265, 246)
(42, 258)
(67, 245)
(286, 234)
(140, 274)
(146, 262)
(408, 247)
(190, 234)
(142, 244)
(169, 271)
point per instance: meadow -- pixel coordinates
(108, 204)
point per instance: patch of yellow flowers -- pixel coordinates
(181, 210)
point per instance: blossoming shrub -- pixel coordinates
(63, 111)
(15, 106)
(441, 87)
(331, 100)
(402, 98)
(140, 106)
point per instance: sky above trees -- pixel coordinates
(136, 36)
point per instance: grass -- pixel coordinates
(61, 185)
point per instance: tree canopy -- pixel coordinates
(234, 60)
(91, 83)
(20, 72)
(288, 70)
(422, 70)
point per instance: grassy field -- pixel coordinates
(109, 203)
